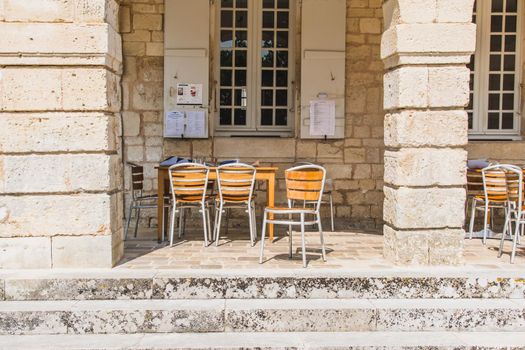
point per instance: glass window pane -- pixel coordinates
(226, 77)
(281, 78)
(281, 117)
(225, 116)
(497, 5)
(241, 3)
(240, 97)
(512, 5)
(282, 39)
(282, 59)
(241, 19)
(269, 4)
(268, 19)
(226, 97)
(494, 102)
(508, 102)
(267, 38)
(470, 120)
(509, 63)
(267, 97)
(227, 19)
(508, 82)
(496, 23)
(493, 122)
(495, 43)
(241, 58)
(240, 77)
(283, 4)
(266, 116)
(495, 62)
(281, 97)
(241, 38)
(267, 78)
(240, 117)
(226, 58)
(227, 3)
(507, 121)
(494, 82)
(510, 24)
(282, 20)
(510, 43)
(226, 39)
(267, 58)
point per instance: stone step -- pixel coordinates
(316, 340)
(125, 284)
(260, 315)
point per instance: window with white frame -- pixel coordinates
(254, 68)
(494, 109)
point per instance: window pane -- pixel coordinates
(226, 97)
(268, 4)
(508, 102)
(267, 38)
(240, 78)
(240, 117)
(497, 5)
(241, 3)
(226, 58)
(225, 116)
(227, 19)
(495, 62)
(241, 19)
(267, 58)
(266, 116)
(512, 5)
(241, 58)
(283, 4)
(281, 78)
(282, 59)
(495, 43)
(509, 63)
(282, 39)
(281, 117)
(510, 43)
(267, 78)
(282, 20)
(226, 77)
(494, 82)
(496, 23)
(510, 24)
(493, 122)
(470, 120)
(227, 3)
(281, 98)
(268, 19)
(267, 97)
(226, 39)
(507, 121)
(241, 38)
(508, 82)
(240, 97)
(494, 102)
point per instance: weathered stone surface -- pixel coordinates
(406, 87)
(414, 208)
(299, 316)
(427, 11)
(25, 253)
(32, 322)
(81, 251)
(425, 167)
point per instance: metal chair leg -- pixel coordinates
(303, 240)
(172, 223)
(485, 224)
(250, 220)
(128, 220)
(254, 223)
(210, 234)
(332, 212)
(181, 218)
(320, 227)
(204, 225)
(218, 233)
(472, 217)
(137, 222)
(515, 240)
(263, 234)
(505, 229)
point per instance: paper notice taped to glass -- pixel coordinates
(174, 124)
(196, 124)
(322, 118)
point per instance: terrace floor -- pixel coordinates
(345, 250)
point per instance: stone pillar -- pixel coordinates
(60, 164)
(425, 47)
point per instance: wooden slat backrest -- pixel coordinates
(474, 182)
(304, 183)
(495, 185)
(137, 177)
(513, 181)
(236, 182)
(189, 182)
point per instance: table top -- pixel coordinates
(258, 168)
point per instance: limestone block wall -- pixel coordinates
(60, 165)
(355, 163)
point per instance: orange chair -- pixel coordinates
(303, 183)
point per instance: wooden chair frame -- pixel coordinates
(303, 183)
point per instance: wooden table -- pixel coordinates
(263, 174)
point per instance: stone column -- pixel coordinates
(60, 167)
(425, 47)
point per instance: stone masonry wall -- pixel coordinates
(355, 163)
(60, 178)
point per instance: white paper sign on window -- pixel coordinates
(174, 124)
(196, 124)
(189, 94)
(322, 118)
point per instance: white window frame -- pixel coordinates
(481, 73)
(253, 127)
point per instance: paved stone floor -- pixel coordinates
(346, 250)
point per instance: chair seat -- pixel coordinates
(193, 199)
(286, 210)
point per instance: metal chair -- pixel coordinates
(138, 200)
(495, 192)
(236, 184)
(189, 183)
(303, 183)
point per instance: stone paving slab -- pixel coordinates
(315, 340)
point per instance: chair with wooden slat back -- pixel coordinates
(189, 183)
(475, 195)
(138, 199)
(303, 183)
(495, 192)
(236, 182)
